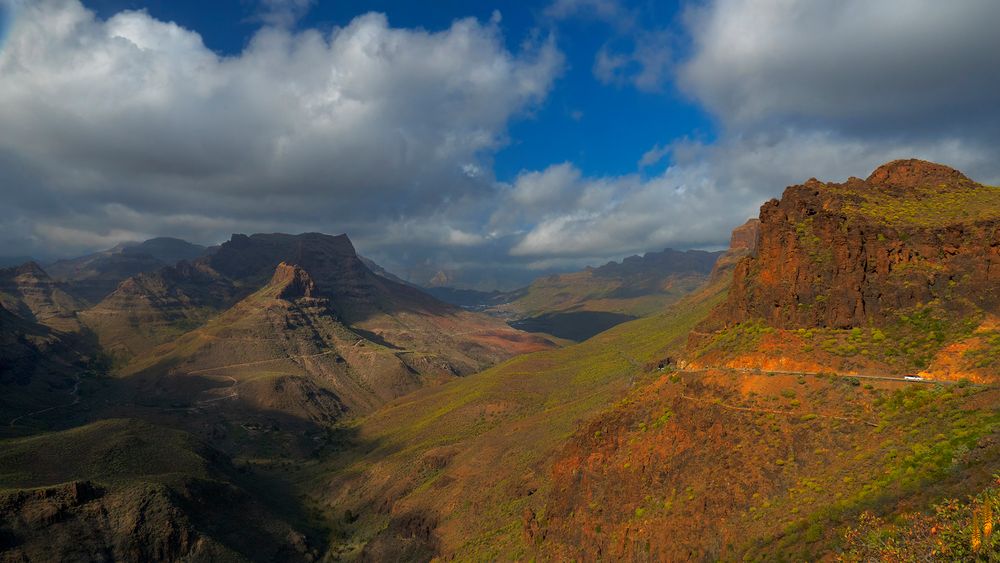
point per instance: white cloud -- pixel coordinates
(338, 131)
(712, 188)
(653, 156)
(284, 13)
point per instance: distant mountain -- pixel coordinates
(580, 304)
(8, 261)
(94, 276)
(29, 292)
(474, 299)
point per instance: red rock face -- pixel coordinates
(913, 173)
(822, 263)
(742, 243)
(745, 236)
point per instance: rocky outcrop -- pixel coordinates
(742, 243)
(861, 252)
(293, 281)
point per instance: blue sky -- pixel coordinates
(489, 141)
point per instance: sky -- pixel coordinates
(492, 141)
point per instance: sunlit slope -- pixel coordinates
(452, 469)
(726, 466)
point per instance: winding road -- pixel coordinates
(75, 392)
(818, 374)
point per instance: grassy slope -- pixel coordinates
(928, 206)
(471, 456)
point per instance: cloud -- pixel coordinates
(853, 65)
(653, 156)
(131, 123)
(284, 13)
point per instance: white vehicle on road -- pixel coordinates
(913, 378)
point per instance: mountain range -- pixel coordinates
(826, 388)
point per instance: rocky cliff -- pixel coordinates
(846, 255)
(910, 255)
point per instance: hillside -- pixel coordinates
(894, 274)
(638, 460)
(149, 309)
(94, 276)
(29, 292)
(39, 368)
(126, 490)
(718, 465)
(452, 469)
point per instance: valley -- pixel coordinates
(830, 377)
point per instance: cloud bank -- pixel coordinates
(132, 126)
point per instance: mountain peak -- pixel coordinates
(32, 268)
(293, 281)
(914, 173)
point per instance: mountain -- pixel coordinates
(9, 261)
(30, 293)
(288, 336)
(883, 274)
(94, 276)
(893, 274)
(287, 403)
(580, 304)
(304, 308)
(149, 309)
